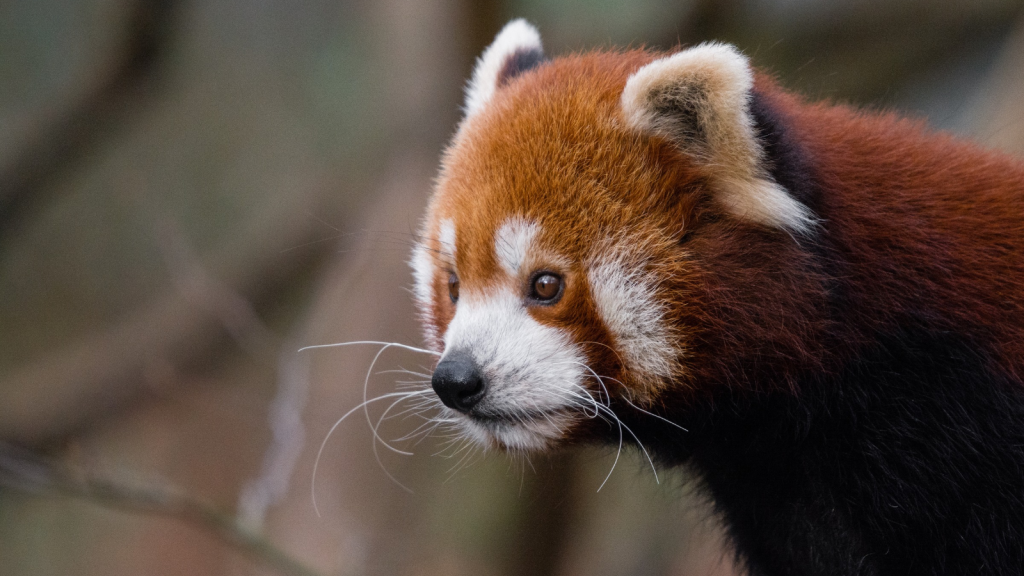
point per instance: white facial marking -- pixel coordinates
(512, 243)
(423, 281)
(515, 36)
(534, 373)
(446, 237)
(423, 274)
(626, 300)
(424, 270)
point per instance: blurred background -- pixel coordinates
(192, 190)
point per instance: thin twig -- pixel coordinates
(26, 471)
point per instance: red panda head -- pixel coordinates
(553, 271)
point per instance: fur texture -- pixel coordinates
(698, 99)
(516, 49)
(830, 302)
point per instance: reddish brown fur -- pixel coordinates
(922, 222)
(849, 397)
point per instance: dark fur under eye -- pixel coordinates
(453, 287)
(546, 287)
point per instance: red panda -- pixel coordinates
(819, 310)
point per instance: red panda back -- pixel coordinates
(927, 226)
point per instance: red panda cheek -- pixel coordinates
(624, 289)
(576, 316)
(444, 311)
(440, 312)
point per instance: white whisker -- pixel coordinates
(607, 410)
(662, 418)
(371, 342)
(366, 409)
(404, 371)
(617, 453)
(426, 427)
(316, 462)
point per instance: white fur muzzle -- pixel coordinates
(534, 373)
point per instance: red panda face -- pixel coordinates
(551, 273)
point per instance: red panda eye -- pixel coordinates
(453, 287)
(546, 287)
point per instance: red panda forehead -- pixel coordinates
(502, 251)
(562, 114)
(551, 157)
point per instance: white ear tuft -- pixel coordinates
(515, 49)
(699, 99)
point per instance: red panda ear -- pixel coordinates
(515, 50)
(699, 100)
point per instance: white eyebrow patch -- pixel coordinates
(446, 237)
(512, 243)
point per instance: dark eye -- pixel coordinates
(453, 287)
(546, 287)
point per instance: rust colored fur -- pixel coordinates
(854, 394)
(912, 213)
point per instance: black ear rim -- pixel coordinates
(518, 62)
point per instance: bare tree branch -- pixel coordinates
(57, 395)
(26, 471)
(288, 437)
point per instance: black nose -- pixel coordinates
(458, 382)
